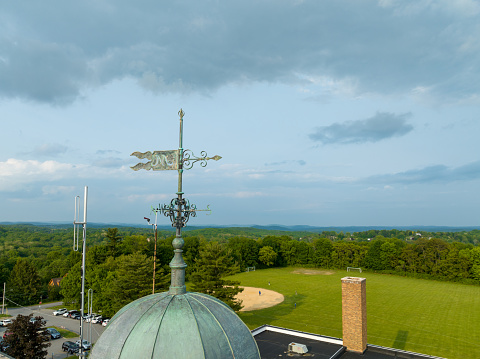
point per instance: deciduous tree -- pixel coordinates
(28, 339)
(267, 256)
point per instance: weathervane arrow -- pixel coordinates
(159, 160)
(173, 159)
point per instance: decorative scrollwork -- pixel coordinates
(189, 159)
(179, 211)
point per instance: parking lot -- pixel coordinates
(91, 332)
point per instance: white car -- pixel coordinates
(97, 319)
(89, 317)
(60, 311)
(5, 322)
(105, 322)
(86, 344)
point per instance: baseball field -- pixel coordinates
(424, 316)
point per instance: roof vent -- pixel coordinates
(297, 348)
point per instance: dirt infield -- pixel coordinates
(253, 301)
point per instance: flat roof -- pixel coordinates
(273, 344)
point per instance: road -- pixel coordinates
(91, 332)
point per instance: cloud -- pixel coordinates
(50, 149)
(106, 152)
(245, 194)
(50, 54)
(437, 173)
(58, 190)
(148, 198)
(379, 127)
(110, 162)
(15, 173)
(287, 162)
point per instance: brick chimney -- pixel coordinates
(354, 313)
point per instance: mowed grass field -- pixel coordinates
(424, 316)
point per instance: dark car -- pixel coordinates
(3, 346)
(54, 333)
(70, 347)
(75, 316)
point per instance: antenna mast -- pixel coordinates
(76, 227)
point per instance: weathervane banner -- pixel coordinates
(158, 160)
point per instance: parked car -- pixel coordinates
(60, 311)
(33, 320)
(3, 346)
(105, 322)
(6, 334)
(54, 333)
(70, 347)
(67, 314)
(5, 322)
(86, 344)
(75, 315)
(89, 317)
(97, 319)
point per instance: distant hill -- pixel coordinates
(271, 227)
(353, 229)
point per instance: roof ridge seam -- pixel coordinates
(221, 327)
(138, 320)
(161, 320)
(198, 329)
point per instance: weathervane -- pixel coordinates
(179, 210)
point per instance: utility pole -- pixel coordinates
(154, 226)
(3, 304)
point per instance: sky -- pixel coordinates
(325, 113)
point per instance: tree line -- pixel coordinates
(119, 265)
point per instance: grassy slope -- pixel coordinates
(436, 318)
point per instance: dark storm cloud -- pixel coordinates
(438, 173)
(54, 51)
(379, 127)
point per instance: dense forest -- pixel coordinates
(120, 260)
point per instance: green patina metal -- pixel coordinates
(159, 160)
(177, 323)
(191, 325)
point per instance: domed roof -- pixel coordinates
(165, 325)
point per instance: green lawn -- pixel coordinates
(436, 318)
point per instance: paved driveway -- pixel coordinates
(91, 332)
